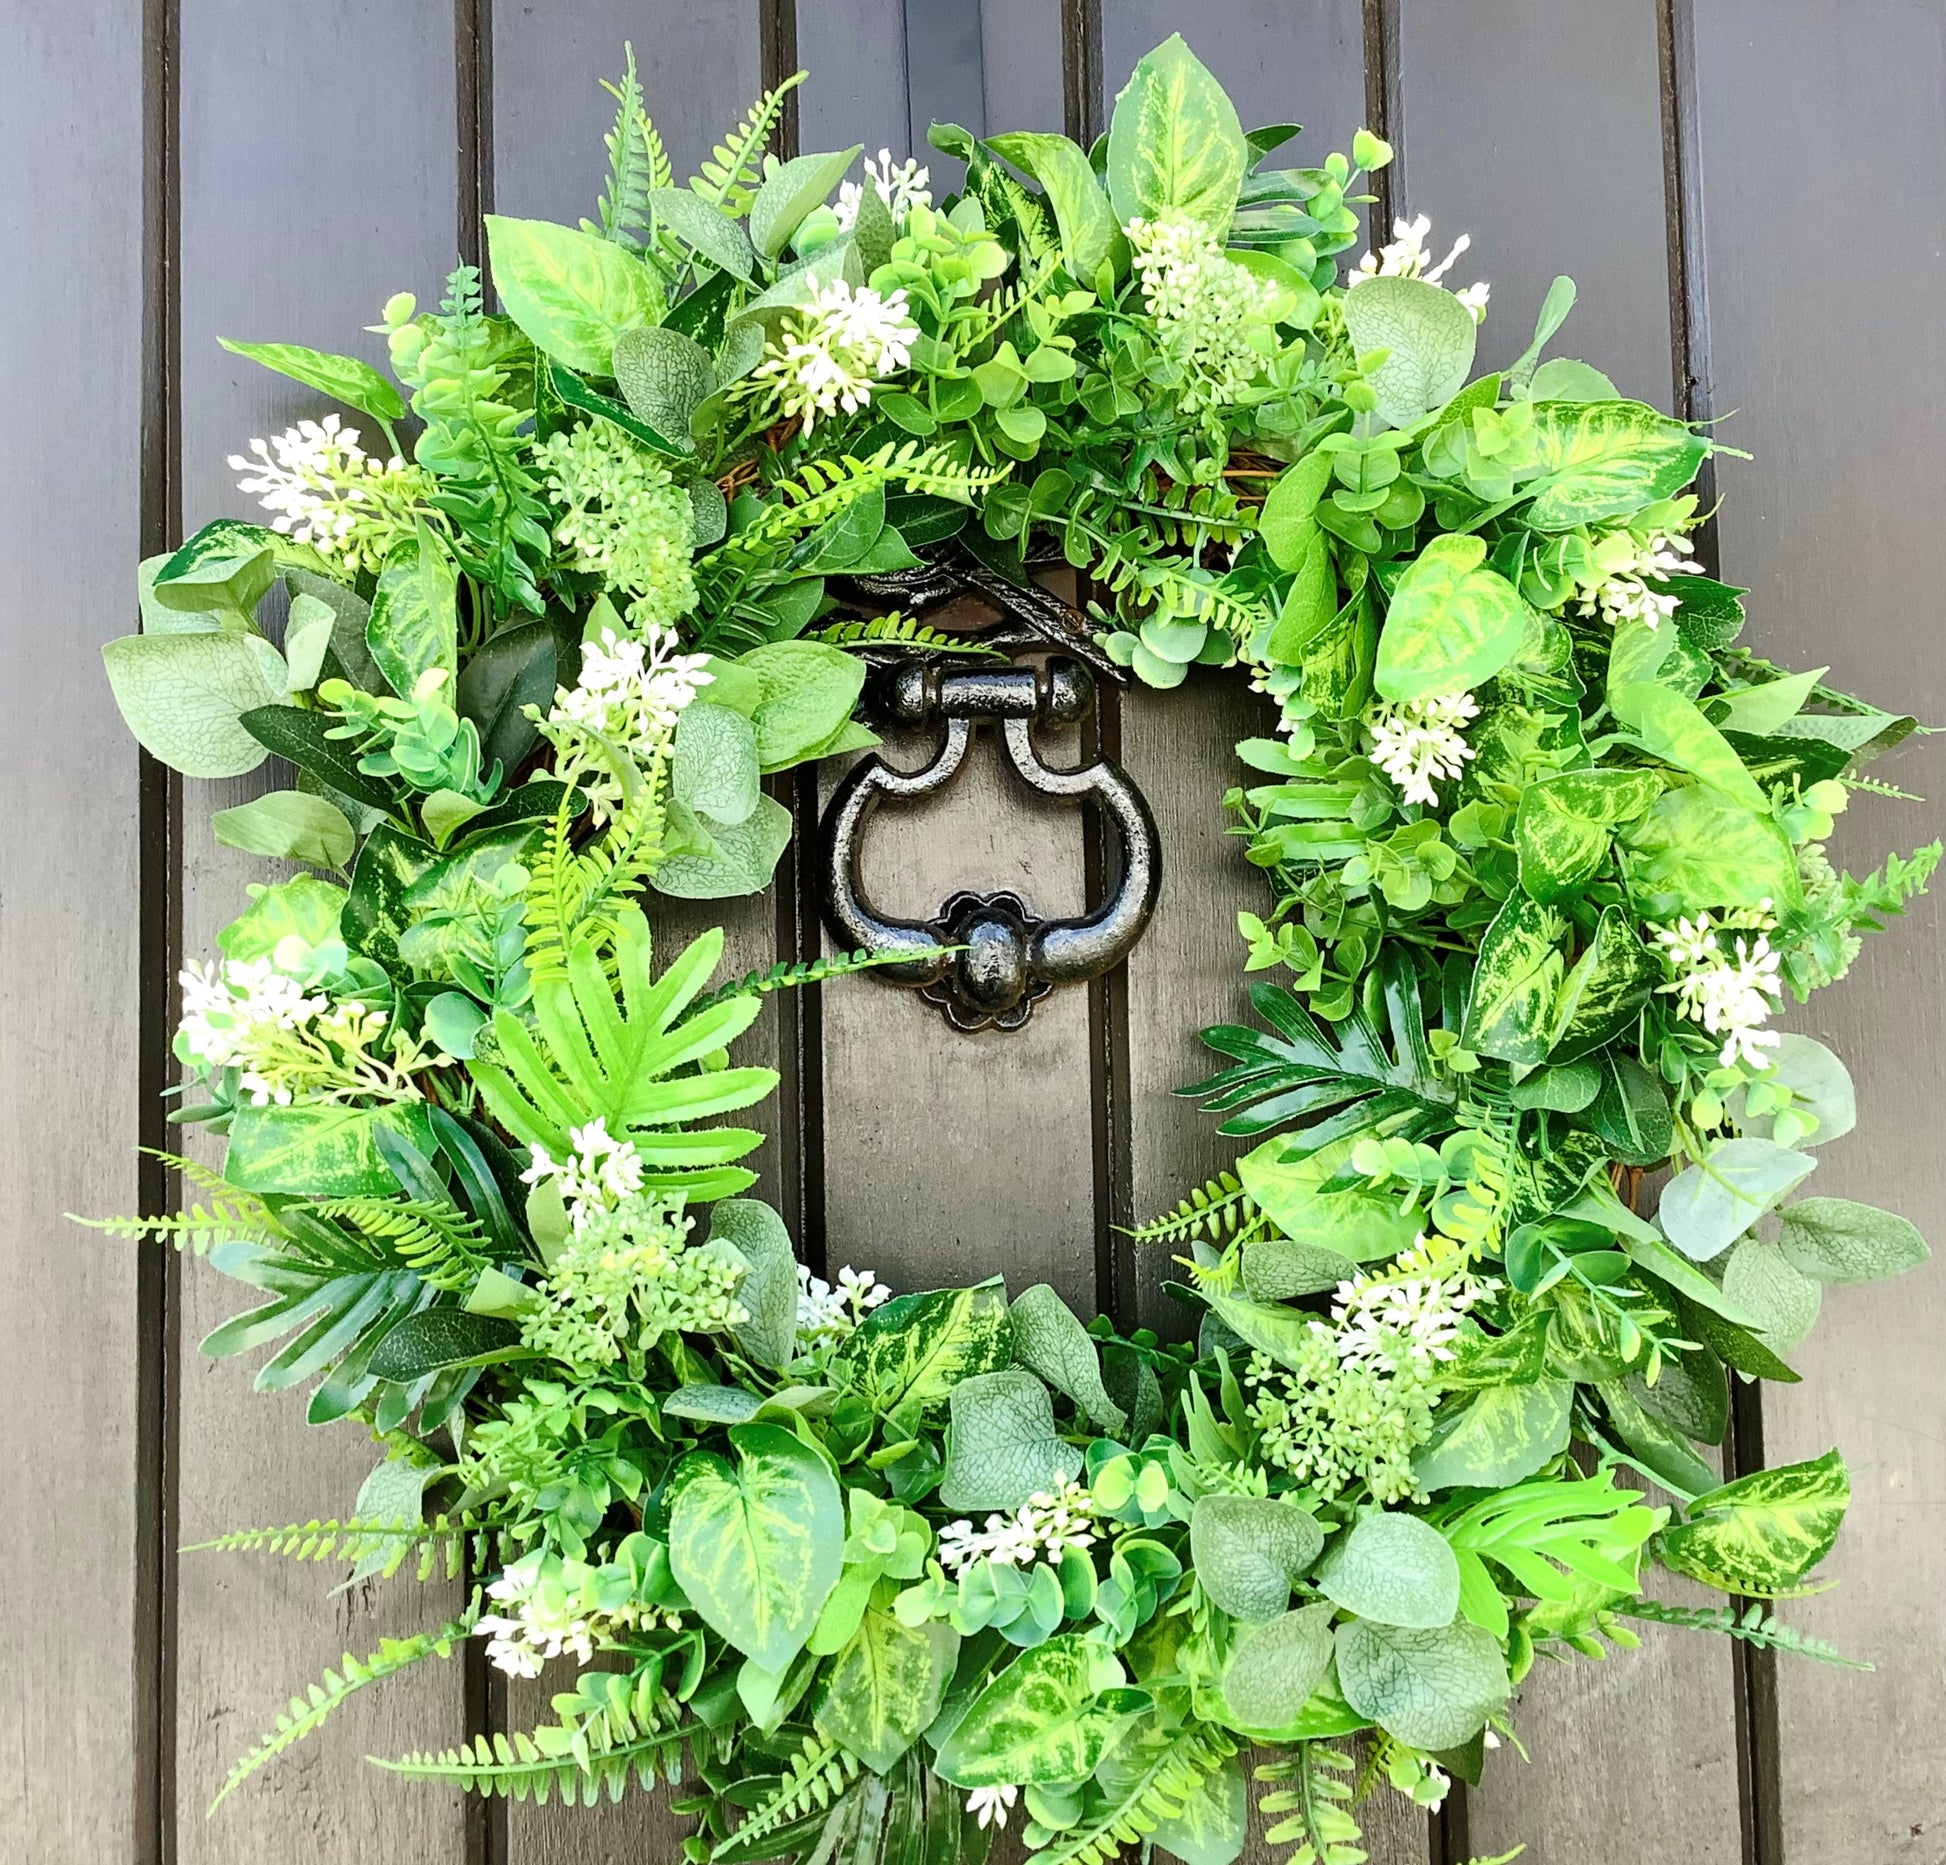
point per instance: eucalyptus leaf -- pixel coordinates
(1431, 1687)
(1002, 1446)
(287, 825)
(1393, 1568)
(1710, 1204)
(1050, 1342)
(184, 696)
(1429, 339)
(1249, 1551)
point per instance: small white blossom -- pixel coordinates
(1044, 1527)
(991, 1804)
(1418, 741)
(827, 1313)
(1625, 595)
(541, 1626)
(600, 1174)
(1418, 1317)
(1731, 994)
(831, 353)
(1213, 315)
(226, 1007)
(630, 692)
(901, 186)
(1407, 256)
(318, 482)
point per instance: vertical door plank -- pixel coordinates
(700, 71)
(1839, 526)
(1536, 125)
(317, 178)
(857, 91)
(700, 68)
(1304, 64)
(948, 1157)
(1020, 44)
(71, 147)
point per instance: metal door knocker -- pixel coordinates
(1008, 956)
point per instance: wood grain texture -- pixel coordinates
(317, 178)
(1535, 125)
(71, 130)
(949, 1157)
(1839, 527)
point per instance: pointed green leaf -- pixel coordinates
(1497, 1437)
(1510, 1010)
(1604, 459)
(1763, 1533)
(1453, 623)
(572, 293)
(1175, 146)
(757, 1548)
(1039, 1720)
(883, 1689)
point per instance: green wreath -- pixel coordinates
(1545, 854)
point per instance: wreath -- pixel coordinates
(852, 1571)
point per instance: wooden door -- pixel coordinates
(1752, 195)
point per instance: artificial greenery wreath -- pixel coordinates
(1545, 848)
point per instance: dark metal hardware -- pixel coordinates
(1010, 956)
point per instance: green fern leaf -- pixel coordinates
(308, 1712)
(1216, 1210)
(728, 177)
(629, 1060)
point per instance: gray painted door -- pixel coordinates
(1752, 194)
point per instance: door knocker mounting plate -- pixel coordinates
(1007, 957)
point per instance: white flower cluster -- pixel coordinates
(1044, 1527)
(1418, 1318)
(226, 1007)
(1213, 314)
(829, 354)
(825, 1313)
(1731, 994)
(545, 1622)
(1408, 257)
(1418, 741)
(285, 1040)
(601, 1173)
(320, 483)
(901, 186)
(1624, 594)
(990, 1805)
(630, 693)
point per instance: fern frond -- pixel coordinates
(519, 1767)
(805, 971)
(904, 631)
(729, 174)
(232, 1216)
(568, 892)
(1173, 589)
(194, 1228)
(441, 1543)
(821, 489)
(1320, 1829)
(1216, 1210)
(820, 1772)
(1146, 1792)
(1754, 1626)
(438, 1242)
(308, 1712)
(637, 162)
